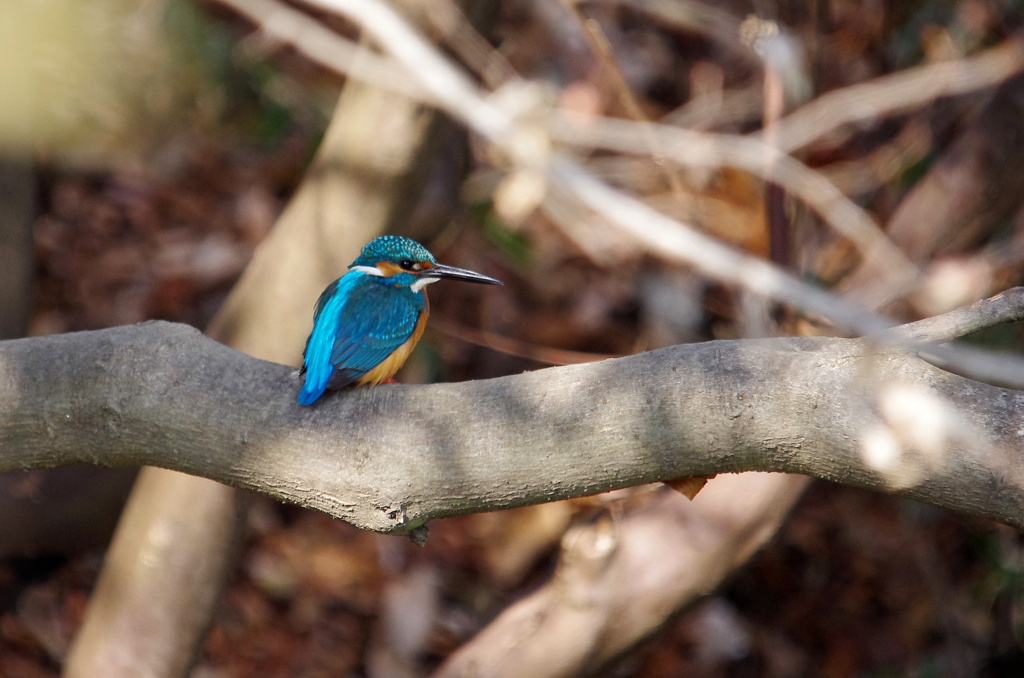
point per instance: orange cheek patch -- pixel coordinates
(388, 269)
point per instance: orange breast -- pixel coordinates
(387, 367)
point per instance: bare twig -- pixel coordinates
(459, 35)
(663, 235)
(280, 22)
(516, 347)
(701, 17)
(599, 45)
(448, 87)
(895, 93)
(459, 96)
(701, 149)
(1005, 307)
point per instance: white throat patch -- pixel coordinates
(421, 283)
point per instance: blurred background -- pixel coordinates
(149, 147)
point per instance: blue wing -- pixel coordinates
(358, 322)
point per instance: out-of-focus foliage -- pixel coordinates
(168, 146)
(120, 80)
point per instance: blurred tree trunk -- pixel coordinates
(620, 581)
(157, 593)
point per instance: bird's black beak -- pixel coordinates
(443, 271)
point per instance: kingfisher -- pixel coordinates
(367, 322)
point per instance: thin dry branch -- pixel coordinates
(662, 234)
(602, 50)
(287, 25)
(1005, 307)
(507, 119)
(504, 119)
(898, 92)
(707, 150)
(393, 457)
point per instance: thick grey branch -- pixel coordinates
(392, 457)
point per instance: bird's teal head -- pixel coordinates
(402, 262)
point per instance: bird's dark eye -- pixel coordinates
(407, 264)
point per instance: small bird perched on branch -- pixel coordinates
(367, 322)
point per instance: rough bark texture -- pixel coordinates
(393, 457)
